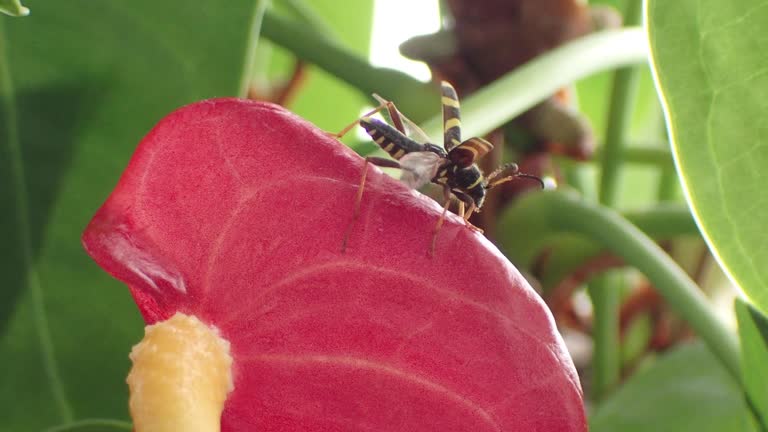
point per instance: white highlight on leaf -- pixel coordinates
(141, 263)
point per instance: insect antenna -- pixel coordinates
(514, 174)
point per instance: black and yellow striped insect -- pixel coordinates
(452, 166)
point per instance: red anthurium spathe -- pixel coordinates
(234, 212)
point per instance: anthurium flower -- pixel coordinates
(233, 212)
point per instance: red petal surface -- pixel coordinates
(235, 211)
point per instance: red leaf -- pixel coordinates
(235, 211)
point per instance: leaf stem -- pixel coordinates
(620, 109)
(524, 240)
(605, 294)
(414, 97)
(19, 186)
(13, 8)
(487, 108)
(309, 16)
(564, 213)
(667, 173)
(603, 291)
(254, 33)
(531, 83)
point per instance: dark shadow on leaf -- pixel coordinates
(47, 125)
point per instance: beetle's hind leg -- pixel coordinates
(382, 162)
(394, 114)
(340, 134)
(447, 194)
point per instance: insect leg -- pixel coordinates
(382, 162)
(349, 127)
(447, 194)
(470, 202)
(394, 114)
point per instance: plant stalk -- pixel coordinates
(603, 291)
(564, 213)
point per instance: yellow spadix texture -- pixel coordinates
(180, 378)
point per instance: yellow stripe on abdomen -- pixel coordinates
(452, 123)
(450, 102)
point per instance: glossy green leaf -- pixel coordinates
(711, 74)
(80, 83)
(753, 333)
(13, 8)
(685, 390)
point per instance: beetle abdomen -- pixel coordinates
(389, 138)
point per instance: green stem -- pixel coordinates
(667, 184)
(524, 240)
(564, 213)
(664, 220)
(414, 97)
(619, 119)
(535, 81)
(487, 108)
(19, 188)
(667, 174)
(309, 16)
(606, 358)
(605, 296)
(254, 33)
(657, 156)
(13, 8)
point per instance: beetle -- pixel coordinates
(453, 166)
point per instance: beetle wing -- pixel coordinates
(468, 152)
(412, 130)
(419, 168)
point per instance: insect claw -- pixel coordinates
(474, 228)
(336, 135)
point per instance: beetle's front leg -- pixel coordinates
(467, 200)
(378, 161)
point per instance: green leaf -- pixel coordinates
(711, 75)
(93, 425)
(753, 333)
(80, 83)
(685, 390)
(13, 8)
